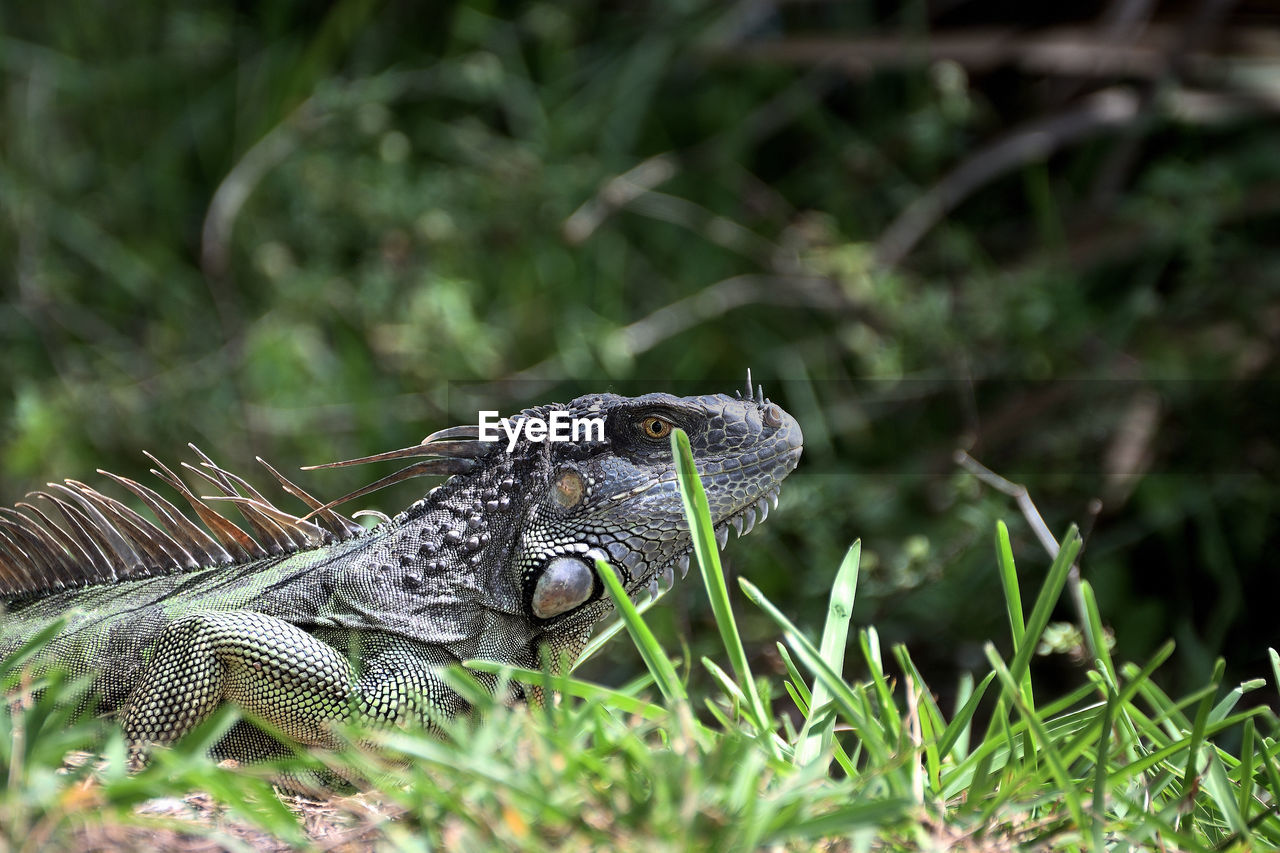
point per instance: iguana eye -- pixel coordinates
(565, 584)
(655, 427)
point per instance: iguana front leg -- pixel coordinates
(278, 673)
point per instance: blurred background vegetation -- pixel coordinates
(1045, 235)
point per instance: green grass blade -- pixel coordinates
(1248, 763)
(1045, 602)
(726, 682)
(1050, 592)
(1167, 752)
(602, 639)
(698, 514)
(959, 727)
(1233, 697)
(956, 734)
(846, 699)
(1100, 764)
(1093, 624)
(797, 680)
(1274, 656)
(927, 701)
(1272, 774)
(1223, 794)
(1048, 749)
(664, 674)
(869, 641)
(835, 636)
(12, 669)
(1012, 600)
(1080, 744)
(1197, 736)
(932, 723)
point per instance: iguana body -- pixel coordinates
(313, 623)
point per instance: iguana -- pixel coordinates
(315, 619)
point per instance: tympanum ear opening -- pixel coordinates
(568, 489)
(566, 583)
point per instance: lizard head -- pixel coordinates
(501, 558)
(616, 496)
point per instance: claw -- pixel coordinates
(749, 521)
(763, 506)
(683, 562)
(653, 588)
(722, 536)
(736, 521)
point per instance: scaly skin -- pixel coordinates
(494, 564)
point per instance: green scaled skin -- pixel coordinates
(313, 621)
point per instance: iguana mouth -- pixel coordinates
(743, 522)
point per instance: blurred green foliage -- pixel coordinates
(316, 231)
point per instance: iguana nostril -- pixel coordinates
(772, 416)
(566, 583)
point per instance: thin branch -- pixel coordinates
(616, 194)
(234, 190)
(1196, 30)
(283, 139)
(620, 191)
(1121, 24)
(1057, 51)
(710, 303)
(1041, 530)
(721, 298)
(1103, 112)
(1018, 492)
